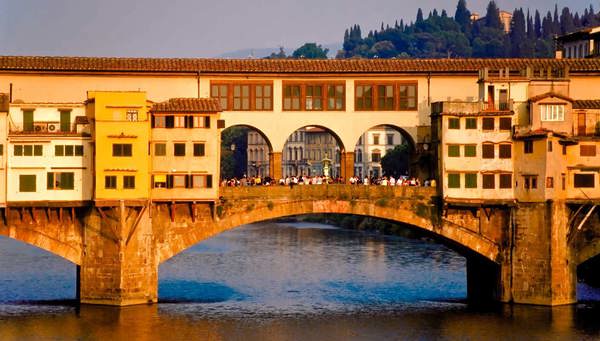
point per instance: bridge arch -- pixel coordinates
(587, 252)
(240, 209)
(307, 146)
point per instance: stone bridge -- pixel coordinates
(516, 252)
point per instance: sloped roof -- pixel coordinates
(113, 64)
(586, 104)
(550, 94)
(187, 105)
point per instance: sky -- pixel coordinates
(202, 28)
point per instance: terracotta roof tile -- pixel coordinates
(111, 64)
(550, 94)
(187, 105)
(586, 104)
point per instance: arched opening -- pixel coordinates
(32, 274)
(245, 153)
(281, 264)
(312, 151)
(385, 151)
(588, 279)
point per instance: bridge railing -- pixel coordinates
(317, 192)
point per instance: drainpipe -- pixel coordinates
(429, 90)
(198, 83)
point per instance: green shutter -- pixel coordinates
(28, 120)
(453, 180)
(207, 122)
(50, 181)
(27, 183)
(67, 181)
(470, 150)
(470, 180)
(209, 181)
(453, 150)
(65, 121)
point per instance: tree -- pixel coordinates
(463, 17)
(396, 162)
(234, 162)
(419, 16)
(492, 16)
(518, 32)
(566, 21)
(310, 51)
(279, 55)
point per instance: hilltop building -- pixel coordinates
(584, 43)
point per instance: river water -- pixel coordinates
(283, 281)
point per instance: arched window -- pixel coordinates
(295, 153)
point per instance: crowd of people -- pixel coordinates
(322, 180)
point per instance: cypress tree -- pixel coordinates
(463, 17)
(566, 21)
(419, 16)
(518, 33)
(538, 24)
(531, 35)
(492, 16)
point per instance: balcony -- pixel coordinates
(48, 128)
(497, 107)
(461, 108)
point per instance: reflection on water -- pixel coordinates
(282, 282)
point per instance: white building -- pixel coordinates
(50, 153)
(371, 147)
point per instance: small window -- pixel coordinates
(549, 182)
(563, 180)
(199, 149)
(470, 150)
(487, 150)
(505, 181)
(390, 138)
(528, 146)
(549, 146)
(179, 181)
(131, 115)
(121, 149)
(79, 150)
(375, 139)
(159, 181)
(27, 183)
(505, 123)
(1, 149)
(584, 180)
(160, 149)
(505, 151)
(129, 182)
(453, 180)
(470, 123)
(159, 121)
(59, 150)
(470, 180)
(564, 150)
(530, 182)
(453, 123)
(69, 150)
(28, 150)
(453, 150)
(58, 181)
(18, 151)
(487, 123)
(110, 182)
(179, 149)
(587, 150)
(376, 157)
(489, 181)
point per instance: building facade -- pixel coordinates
(372, 147)
(584, 43)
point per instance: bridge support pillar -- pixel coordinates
(275, 170)
(347, 165)
(543, 269)
(120, 261)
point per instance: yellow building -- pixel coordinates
(122, 136)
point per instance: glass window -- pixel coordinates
(59, 150)
(453, 150)
(79, 150)
(584, 180)
(179, 149)
(121, 149)
(314, 97)
(489, 181)
(57, 181)
(335, 97)
(160, 149)
(385, 97)
(198, 149)
(219, 91)
(376, 156)
(470, 123)
(390, 139)
(376, 139)
(552, 112)
(453, 123)
(263, 97)
(408, 96)
(241, 97)
(28, 150)
(470, 180)
(69, 150)
(528, 146)
(505, 180)
(179, 121)
(27, 183)
(110, 182)
(160, 180)
(179, 181)
(487, 150)
(505, 151)
(291, 97)
(364, 97)
(38, 150)
(487, 123)
(129, 182)
(202, 181)
(470, 150)
(549, 146)
(159, 121)
(549, 182)
(18, 151)
(131, 115)
(453, 180)
(505, 123)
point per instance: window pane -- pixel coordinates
(470, 180)
(470, 150)
(198, 149)
(453, 180)
(487, 151)
(179, 149)
(487, 123)
(584, 180)
(78, 150)
(470, 123)
(505, 151)
(59, 150)
(453, 123)
(505, 123)
(27, 183)
(160, 149)
(69, 150)
(505, 180)
(28, 150)
(489, 181)
(453, 150)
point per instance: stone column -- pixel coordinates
(120, 262)
(275, 165)
(347, 165)
(543, 269)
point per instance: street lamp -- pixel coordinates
(232, 147)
